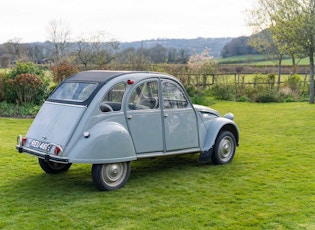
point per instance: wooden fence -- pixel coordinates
(205, 81)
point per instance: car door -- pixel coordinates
(180, 121)
(144, 117)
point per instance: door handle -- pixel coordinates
(165, 115)
(129, 117)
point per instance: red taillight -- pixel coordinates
(57, 150)
(23, 140)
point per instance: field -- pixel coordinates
(258, 60)
(269, 185)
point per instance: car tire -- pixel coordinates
(224, 148)
(108, 177)
(53, 167)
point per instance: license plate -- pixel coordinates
(35, 144)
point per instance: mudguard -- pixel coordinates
(105, 142)
(214, 129)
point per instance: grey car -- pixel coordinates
(109, 118)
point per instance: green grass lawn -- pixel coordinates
(269, 185)
(258, 59)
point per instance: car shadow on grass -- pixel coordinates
(145, 167)
(78, 177)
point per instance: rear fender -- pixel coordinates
(105, 142)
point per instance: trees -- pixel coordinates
(59, 34)
(237, 46)
(307, 32)
(266, 44)
(17, 50)
(95, 50)
(291, 24)
(202, 63)
(86, 50)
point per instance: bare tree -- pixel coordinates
(59, 33)
(17, 50)
(95, 50)
(135, 59)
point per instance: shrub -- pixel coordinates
(1, 86)
(14, 110)
(243, 99)
(25, 88)
(264, 82)
(62, 71)
(294, 82)
(201, 100)
(224, 89)
(286, 94)
(192, 90)
(263, 90)
(25, 83)
(25, 67)
(266, 95)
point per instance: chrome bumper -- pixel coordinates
(44, 155)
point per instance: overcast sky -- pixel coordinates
(124, 20)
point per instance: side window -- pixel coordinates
(145, 96)
(173, 96)
(114, 96)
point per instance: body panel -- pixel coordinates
(108, 142)
(146, 130)
(181, 129)
(55, 123)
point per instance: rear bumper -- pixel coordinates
(46, 156)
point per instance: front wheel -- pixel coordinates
(108, 177)
(224, 149)
(53, 167)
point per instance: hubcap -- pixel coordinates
(226, 148)
(113, 174)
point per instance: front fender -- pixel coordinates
(214, 128)
(105, 142)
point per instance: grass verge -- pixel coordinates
(269, 185)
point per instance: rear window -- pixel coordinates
(74, 91)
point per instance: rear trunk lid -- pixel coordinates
(54, 123)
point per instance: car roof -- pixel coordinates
(98, 75)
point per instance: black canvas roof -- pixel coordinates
(97, 75)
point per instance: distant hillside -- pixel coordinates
(238, 47)
(194, 45)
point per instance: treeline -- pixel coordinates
(237, 47)
(99, 54)
(196, 45)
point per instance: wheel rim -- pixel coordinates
(226, 148)
(114, 174)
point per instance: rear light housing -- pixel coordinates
(23, 141)
(57, 150)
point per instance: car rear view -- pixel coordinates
(56, 121)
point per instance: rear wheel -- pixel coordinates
(53, 167)
(224, 149)
(108, 177)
